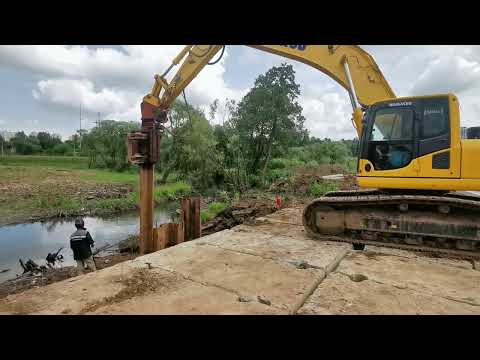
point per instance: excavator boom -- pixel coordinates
(348, 65)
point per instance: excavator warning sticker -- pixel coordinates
(297, 47)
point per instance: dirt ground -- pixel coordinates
(34, 193)
(298, 187)
(240, 212)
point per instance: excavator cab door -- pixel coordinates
(390, 140)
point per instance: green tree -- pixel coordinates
(48, 141)
(105, 144)
(3, 145)
(213, 109)
(269, 117)
(353, 146)
(20, 143)
(188, 148)
(61, 149)
(332, 152)
(174, 138)
(198, 159)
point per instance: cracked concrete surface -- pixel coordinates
(271, 267)
(392, 282)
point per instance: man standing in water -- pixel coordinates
(80, 242)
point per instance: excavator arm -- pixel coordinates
(348, 65)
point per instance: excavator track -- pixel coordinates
(440, 224)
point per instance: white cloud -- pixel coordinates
(113, 81)
(328, 116)
(131, 67)
(448, 74)
(72, 93)
(110, 81)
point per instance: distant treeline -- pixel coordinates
(35, 143)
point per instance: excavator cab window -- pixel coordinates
(390, 143)
(435, 126)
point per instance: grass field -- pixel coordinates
(212, 211)
(45, 186)
(64, 162)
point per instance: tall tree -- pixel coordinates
(269, 116)
(189, 148)
(213, 109)
(106, 142)
(48, 141)
(20, 143)
(2, 145)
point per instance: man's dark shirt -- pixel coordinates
(80, 242)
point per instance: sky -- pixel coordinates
(43, 86)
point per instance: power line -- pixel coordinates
(99, 121)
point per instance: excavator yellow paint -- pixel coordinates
(470, 162)
(418, 183)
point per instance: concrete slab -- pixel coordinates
(421, 275)
(319, 254)
(339, 295)
(247, 275)
(422, 256)
(381, 283)
(134, 291)
(188, 298)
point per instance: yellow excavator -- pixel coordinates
(417, 174)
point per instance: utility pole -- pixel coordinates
(80, 132)
(98, 121)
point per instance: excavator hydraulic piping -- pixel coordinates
(353, 97)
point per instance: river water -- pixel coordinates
(35, 240)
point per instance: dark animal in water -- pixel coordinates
(54, 257)
(32, 267)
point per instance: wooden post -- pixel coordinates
(146, 209)
(185, 204)
(197, 220)
(162, 236)
(180, 233)
(167, 235)
(191, 218)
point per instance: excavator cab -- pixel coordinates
(413, 138)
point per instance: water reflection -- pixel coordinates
(34, 241)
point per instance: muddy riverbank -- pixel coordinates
(35, 240)
(50, 276)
